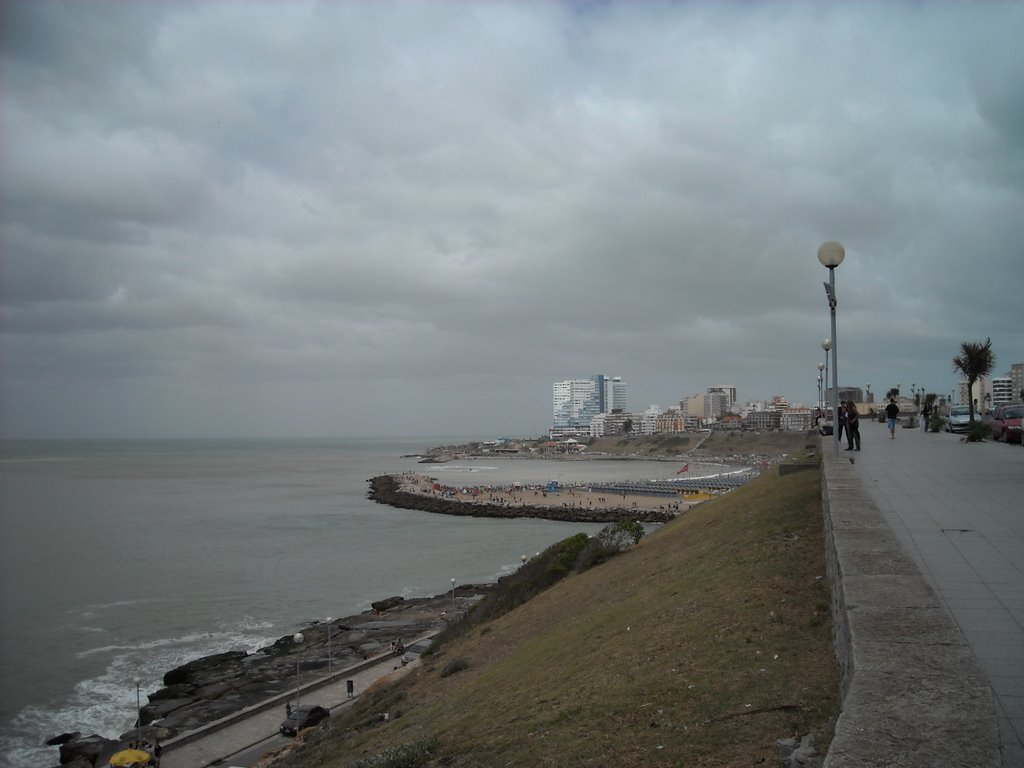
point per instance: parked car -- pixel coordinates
(414, 651)
(959, 419)
(1005, 421)
(303, 717)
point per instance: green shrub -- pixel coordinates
(979, 431)
(412, 755)
(609, 541)
(457, 664)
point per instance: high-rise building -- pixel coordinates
(575, 402)
(1002, 390)
(1017, 382)
(716, 404)
(730, 392)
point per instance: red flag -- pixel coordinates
(685, 468)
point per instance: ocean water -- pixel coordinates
(127, 558)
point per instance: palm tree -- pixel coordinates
(976, 359)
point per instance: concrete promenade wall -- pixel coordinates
(913, 693)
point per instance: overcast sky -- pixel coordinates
(382, 218)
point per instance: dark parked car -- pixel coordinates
(301, 718)
(1005, 421)
(414, 651)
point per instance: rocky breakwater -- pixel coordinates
(212, 687)
(387, 489)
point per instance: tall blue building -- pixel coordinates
(575, 402)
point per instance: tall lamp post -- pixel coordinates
(453, 599)
(298, 637)
(329, 659)
(821, 392)
(831, 255)
(826, 345)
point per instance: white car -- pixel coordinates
(959, 419)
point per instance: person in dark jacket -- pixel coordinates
(852, 427)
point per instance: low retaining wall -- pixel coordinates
(913, 694)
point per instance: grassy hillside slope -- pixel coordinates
(701, 646)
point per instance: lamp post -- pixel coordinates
(329, 655)
(831, 255)
(138, 711)
(826, 345)
(821, 393)
(298, 638)
(453, 599)
(524, 558)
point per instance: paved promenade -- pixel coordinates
(958, 511)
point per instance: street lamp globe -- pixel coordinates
(831, 254)
(826, 344)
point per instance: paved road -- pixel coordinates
(958, 510)
(240, 738)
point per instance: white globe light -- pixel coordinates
(831, 254)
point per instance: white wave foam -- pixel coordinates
(458, 468)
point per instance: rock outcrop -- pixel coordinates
(386, 489)
(215, 686)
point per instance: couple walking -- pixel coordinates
(849, 420)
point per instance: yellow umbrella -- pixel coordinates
(128, 757)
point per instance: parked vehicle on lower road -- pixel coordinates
(303, 717)
(1005, 422)
(414, 651)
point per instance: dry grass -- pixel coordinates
(701, 646)
(718, 443)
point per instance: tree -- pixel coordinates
(627, 426)
(976, 359)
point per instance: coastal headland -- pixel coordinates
(578, 505)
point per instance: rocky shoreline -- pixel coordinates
(387, 489)
(211, 687)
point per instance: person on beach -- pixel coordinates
(852, 427)
(892, 411)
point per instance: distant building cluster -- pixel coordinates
(995, 391)
(596, 407)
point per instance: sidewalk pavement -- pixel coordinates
(958, 510)
(239, 736)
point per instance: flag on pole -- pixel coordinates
(685, 468)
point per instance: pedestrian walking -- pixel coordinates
(892, 411)
(926, 415)
(852, 427)
(841, 420)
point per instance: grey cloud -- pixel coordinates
(226, 209)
